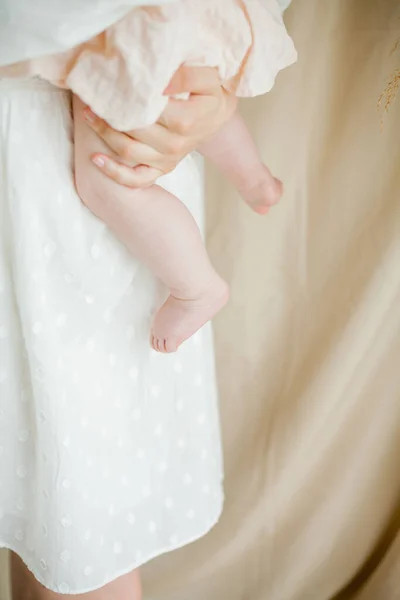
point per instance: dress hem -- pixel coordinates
(125, 571)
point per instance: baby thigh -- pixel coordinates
(154, 225)
(26, 587)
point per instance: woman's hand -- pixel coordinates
(181, 128)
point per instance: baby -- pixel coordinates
(122, 74)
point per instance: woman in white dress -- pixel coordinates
(109, 454)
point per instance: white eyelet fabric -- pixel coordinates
(109, 453)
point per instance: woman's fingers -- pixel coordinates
(114, 139)
(186, 117)
(135, 153)
(194, 80)
(181, 128)
(133, 177)
(158, 137)
(198, 117)
(130, 151)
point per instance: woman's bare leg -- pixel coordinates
(26, 587)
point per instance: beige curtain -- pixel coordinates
(309, 348)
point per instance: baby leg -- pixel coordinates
(235, 154)
(159, 230)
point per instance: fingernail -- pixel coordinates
(89, 115)
(99, 161)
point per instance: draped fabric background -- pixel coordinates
(308, 349)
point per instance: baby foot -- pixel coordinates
(263, 192)
(179, 319)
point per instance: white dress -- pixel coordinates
(109, 453)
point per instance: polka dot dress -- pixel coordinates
(109, 453)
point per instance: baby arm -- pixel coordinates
(233, 151)
(159, 230)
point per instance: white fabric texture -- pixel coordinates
(109, 452)
(32, 29)
(284, 4)
(29, 29)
